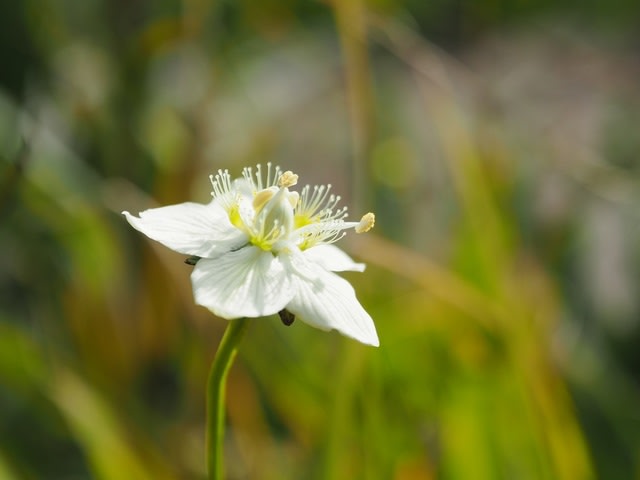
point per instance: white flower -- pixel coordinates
(264, 249)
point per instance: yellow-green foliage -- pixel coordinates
(502, 274)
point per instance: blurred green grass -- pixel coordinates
(501, 162)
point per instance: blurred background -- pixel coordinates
(497, 142)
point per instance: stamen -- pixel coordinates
(259, 175)
(261, 198)
(366, 223)
(322, 233)
(258, 180)
(222, 185)
(265, 239)
(294, 198)
(319, 205)
(287, 179)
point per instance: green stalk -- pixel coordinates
(216, 389)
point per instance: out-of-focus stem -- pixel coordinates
(351, 24)
(216, 389)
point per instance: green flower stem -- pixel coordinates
(216, 388)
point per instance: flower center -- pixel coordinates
(274, 212)
(274, 218)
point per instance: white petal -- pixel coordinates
(332, 258)
(190, 228)
(245, 283)
(327, 301)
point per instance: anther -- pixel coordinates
(366, 223)
(261, 199)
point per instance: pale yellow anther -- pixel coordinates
(287, 179)
(366, 223)
(262, 197)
